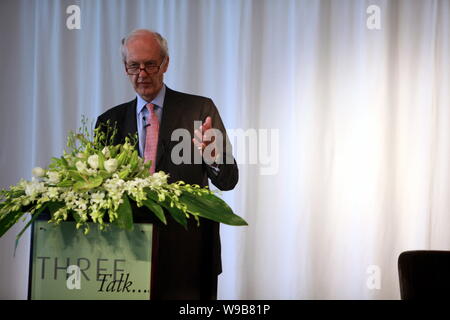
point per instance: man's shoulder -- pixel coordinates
(119, 110)
(186, 97)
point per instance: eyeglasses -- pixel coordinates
(150, 68)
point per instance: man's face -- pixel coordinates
(141, 51)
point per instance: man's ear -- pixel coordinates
(166, 64)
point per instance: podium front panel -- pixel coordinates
(68, 265)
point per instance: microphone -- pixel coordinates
(145, 122)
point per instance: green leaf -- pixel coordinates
(156, 209)
(65, 183)
(13, 194)
(34, 217)
(56, 161)
(151, 194)
(75, 175)
(123, 174)
(75, 215)
(121, 159)
(177, 215)
(113, 150)
(211, 207)
(101, 160)
(8, 220)
(92, 183)
(54, 206)
(64, 162)
(125, 215)
(134, 161)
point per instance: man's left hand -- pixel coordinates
(203, 138)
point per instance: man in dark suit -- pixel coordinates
(188, 261)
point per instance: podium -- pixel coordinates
(116, 264)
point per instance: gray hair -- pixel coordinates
(159, 38)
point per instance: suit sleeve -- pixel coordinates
(227, 175)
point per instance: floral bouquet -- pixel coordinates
(96, 181)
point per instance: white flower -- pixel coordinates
(111, 165)
(34, 187)
(106, 152)
(81, 204)
(38, 172)
(53, 177)
(97, 197)
(80, 155)
(93, 161)
(69, 196)
(114, 188)
(91, 172)
(81, 166)
(158, 179)
(52, 193)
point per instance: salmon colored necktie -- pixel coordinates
(151, 137)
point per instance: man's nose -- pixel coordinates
(142, 73)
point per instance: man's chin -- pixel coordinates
(144, 87)
(147, 95)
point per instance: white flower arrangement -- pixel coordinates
(96, 181)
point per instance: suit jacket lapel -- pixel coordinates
(130, 121)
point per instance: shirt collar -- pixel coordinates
(158, 101)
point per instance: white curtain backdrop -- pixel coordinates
(363, 120)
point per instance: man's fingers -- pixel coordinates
(207, 124)
(206, 137)
(198, 135)
(198, 144)
(201, 135)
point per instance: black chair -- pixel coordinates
(424, 274)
